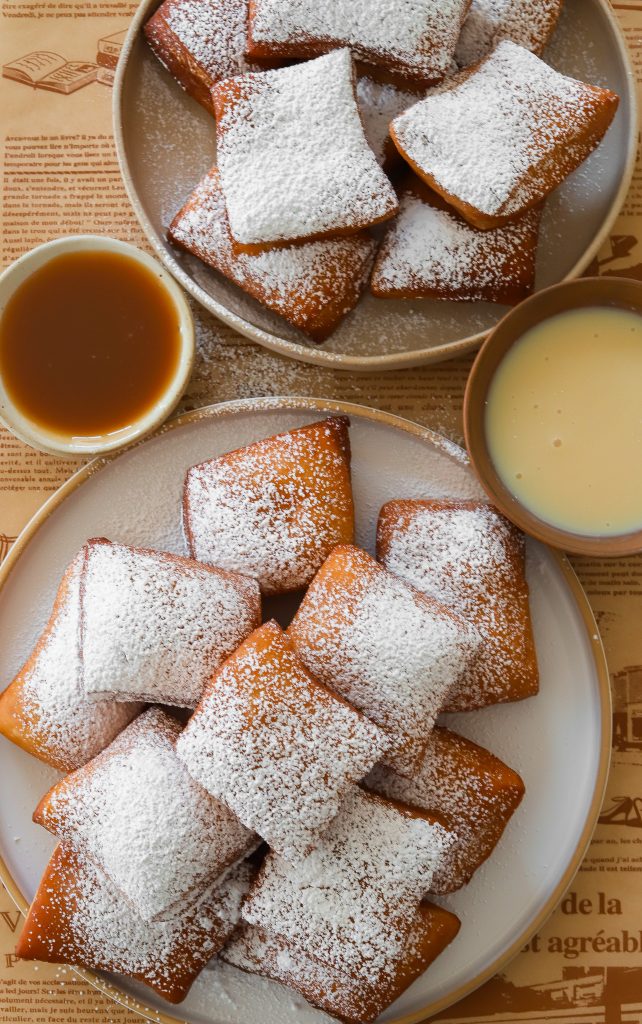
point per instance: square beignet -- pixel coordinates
(353, 899)
(78, 917)
(468, 556)
(312, 285)
(496, 139)
(154, 626)
(275, 509)
(159, 837)
(530, 23)
(345, 996)
(393, 653)
(416, 40)
(200, 42)
(430, 252)
(278, 748)
(45, 710)
(470, 789)
(293, 157)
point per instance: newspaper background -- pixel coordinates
(60, 176)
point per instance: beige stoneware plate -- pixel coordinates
(165, 142)
(559, 741)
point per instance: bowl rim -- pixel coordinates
(39, 437)
(583, 292)
(317, 356)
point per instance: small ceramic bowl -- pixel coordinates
(38, 436)
(588, 291)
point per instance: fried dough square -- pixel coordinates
(470, 789)
(414, 40)
(431, 252)
(278, 748)
(134, 810)
(293, 158)
(345, 996)
(353, 900)
(468, 556)
(275, 509)
(78, 917)
(312, 285)
(154, 626)
(496, 139)
(45, 710)
(393, 653)
(200, 42)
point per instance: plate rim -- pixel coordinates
(316, 355)
(110, 987)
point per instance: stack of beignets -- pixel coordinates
(298, 820)
(453, 90)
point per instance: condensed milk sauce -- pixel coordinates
(564, 420)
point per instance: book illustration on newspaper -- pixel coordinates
(109, 48)
(43, 69)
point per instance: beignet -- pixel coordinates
(78, 917)
(159, 837)
(494, 140)
(200, 42)
(293, 159)
(416, 40)
(467, 555)
(312, 285)
(154, 626)
(353, 900)
(44, 710)
(345, 996)
(430, 252)
(470, 789)
(275, 509)
(393, 653)
(278, 748)
(530, 23)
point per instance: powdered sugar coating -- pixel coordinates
(292, 155)
(48, 708)
(468, 556)
(352, 900)
(474, 792)
(277, 748)
(155, 626)
(379, 103)
(79, 917)
(135, 810)
(482, 136)
(275, 509)
(379, 643)
(432, 252)
(417, 38)
(313, 285)
(527, 22)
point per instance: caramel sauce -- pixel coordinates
(88, 343)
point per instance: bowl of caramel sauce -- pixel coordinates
(96, 345)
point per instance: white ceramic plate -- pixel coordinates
(559, 740)
(165, 143)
